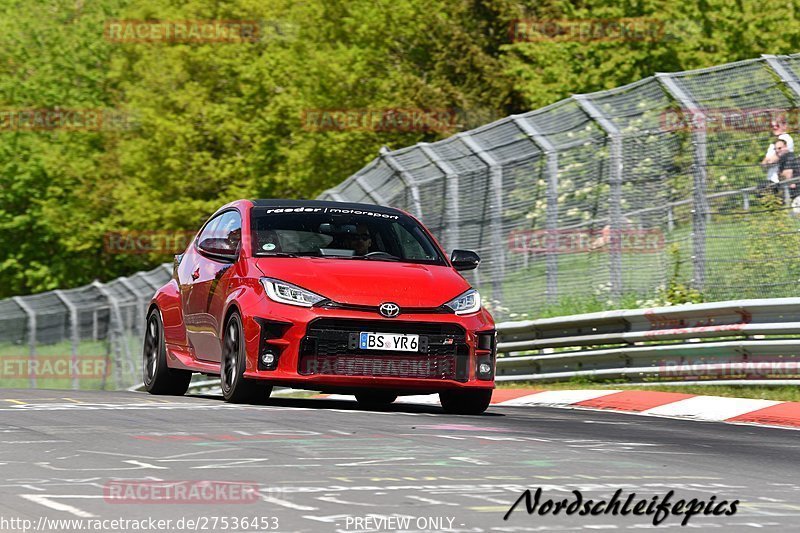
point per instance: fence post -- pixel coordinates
(116, 334)
(74, 333)
(336, 196)
(615, 196)
(141, 304)
(700, 209)
(141, 309)
(452, 212)
(551, 214)
(370, 190)
(95, 328)
(786, 75)
(28, 310)
(496, 209)
(407, 178)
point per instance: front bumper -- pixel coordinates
(313, 348)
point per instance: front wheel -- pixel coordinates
(235, 388)
(465, 402)
(158, 378)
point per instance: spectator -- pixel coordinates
(605, 234)
(788, 166)
(770, 161)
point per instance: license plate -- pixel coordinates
(398, 342)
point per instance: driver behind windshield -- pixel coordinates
(360, 241)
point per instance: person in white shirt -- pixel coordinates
(770, 161)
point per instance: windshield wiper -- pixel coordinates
(381, 256)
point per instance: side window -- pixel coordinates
(210, 230)
(412, 249)
(225, 229)
(230, 229)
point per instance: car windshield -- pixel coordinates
(340, 233)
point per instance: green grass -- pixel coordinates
(14, 357)
(739, 253)
(777, 392)
(88, 348)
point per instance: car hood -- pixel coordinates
(368, 282)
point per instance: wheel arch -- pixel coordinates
(233, 307)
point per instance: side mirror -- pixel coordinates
(465, 260)
(218, 249)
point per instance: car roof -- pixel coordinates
(326, 203)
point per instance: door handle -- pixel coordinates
(196, 274)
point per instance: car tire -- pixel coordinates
(157, 377)
(235, 387)
(465, 402)
(375, 399)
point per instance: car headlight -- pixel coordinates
(286, 293)
(469, 302)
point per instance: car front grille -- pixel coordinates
(329, 348)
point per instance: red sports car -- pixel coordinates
(335, 297)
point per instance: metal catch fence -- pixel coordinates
(613, 197)
(84, 338)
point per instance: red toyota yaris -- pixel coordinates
(328, 296)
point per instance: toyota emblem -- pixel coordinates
(389, 310)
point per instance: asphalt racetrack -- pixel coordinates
(326, 465)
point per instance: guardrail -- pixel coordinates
(753, 340)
